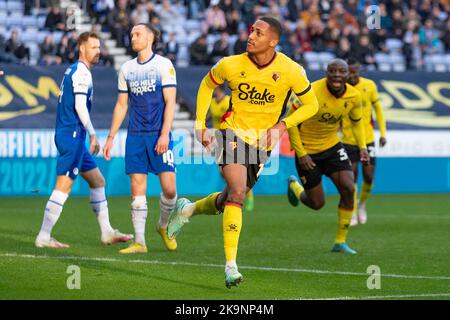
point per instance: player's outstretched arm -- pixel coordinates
(120, 111)
(170, 94)
(358, 129)
(309, 108)
(380, 117)
(204, 97)
(295, 139)
(83, 114)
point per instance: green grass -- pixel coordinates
(405, 235)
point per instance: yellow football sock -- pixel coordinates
(366, 190)
(207, 205)
(355, 199)
(297, 188)
(344, 216)
(232, 223)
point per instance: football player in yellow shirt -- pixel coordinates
(219, 106)
(318, 150)
(370, 103)
(261, 82)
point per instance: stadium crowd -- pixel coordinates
(413, 28)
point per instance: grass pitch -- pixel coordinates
(284, 253)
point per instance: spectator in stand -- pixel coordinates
(446, 38)
(226, 6)
(63, 51)
(325, 9)
(140, 14)
(330, 37)
(397, 24)
(55, 19)
(101, 9)
(439, 17)
(48, 52)
(385, 19)
(233, 22)
(339, 18)
(195, 8)
(288, 10)
(274, 11)
(15, 47)
(303, 37)
(171, 19)
(199, 51)
(172, 48)
(364, 52)
(240, 46)
(215, 21)
(429, 38)
(151, 11)
(105, 58)
(220, 48)
(291, 47)
(343, 50)
(119, 23)
(412, 16)
(378, 40)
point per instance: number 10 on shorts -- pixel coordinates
(168, 157)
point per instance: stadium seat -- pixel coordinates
(34, 52)
(383, 62)
(3, 17)
(324, 58)
(29, 21)
(14, 21)
(398, 62)
(438, 63)
(41, 21)
(57, 35)
(394, 45)
(312, 60)
(41, 36)
(28, 37)
(447, 61)
(14, 6)
(192, 25)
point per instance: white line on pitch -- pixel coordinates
(399, 296)
(344, 273)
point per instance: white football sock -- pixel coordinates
(99, 205)
(230, 264)
(165, 208)
(52, 212)
(139, 216)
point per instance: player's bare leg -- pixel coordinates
(354, 220)
(236, 178)
(167, 201)
(99, 206)
(366, 190)
(52, 213)
(344, 182)
(138, 213)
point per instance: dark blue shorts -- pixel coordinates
(141, 157)
(73, 156)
